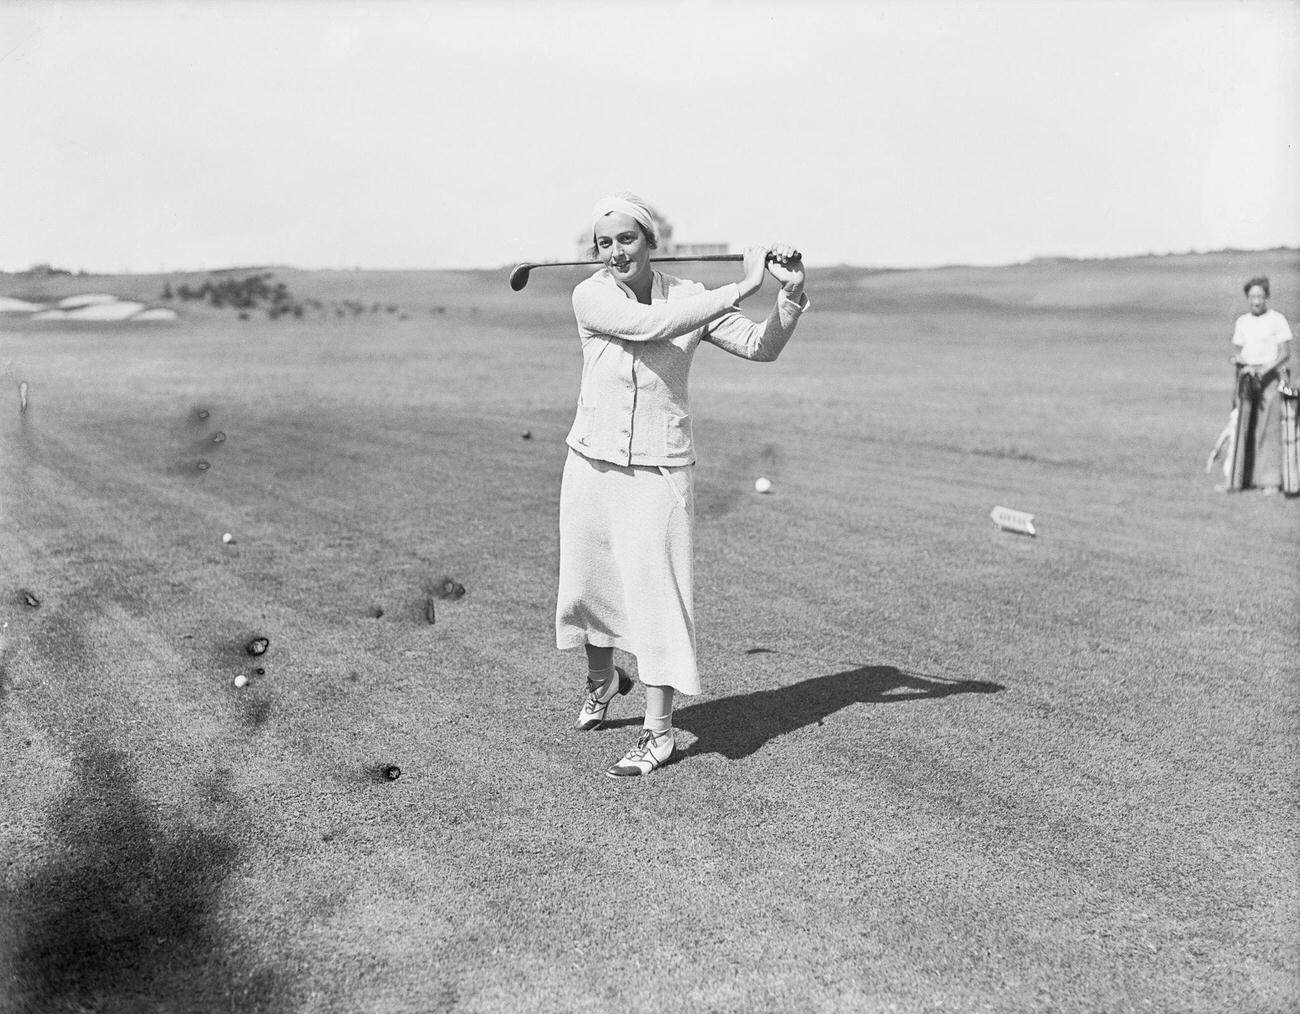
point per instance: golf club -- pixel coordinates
(519, 276)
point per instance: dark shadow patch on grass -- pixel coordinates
(256, 709)
(899, 445)
(124, 917)
(189, 467)
(241, 654)
(719, 492)
(218, 790)
(714, 501)
(205, 447)
(1007, 454)
(741, 725)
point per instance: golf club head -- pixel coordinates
(519, 276)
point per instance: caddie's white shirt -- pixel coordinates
(1260, 336)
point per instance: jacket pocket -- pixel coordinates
(677, 434)
(584, 424)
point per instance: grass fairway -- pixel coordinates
(937, 766)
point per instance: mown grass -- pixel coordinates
(937, 766)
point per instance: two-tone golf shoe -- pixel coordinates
(652, 750)
(593, 712)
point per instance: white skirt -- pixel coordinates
(626, 570)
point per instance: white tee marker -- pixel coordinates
(1013, 521)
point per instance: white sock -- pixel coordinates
(658, 710)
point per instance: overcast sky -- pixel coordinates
(167, 135)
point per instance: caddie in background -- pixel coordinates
(1262, 346)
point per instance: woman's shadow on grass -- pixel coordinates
(739, 726)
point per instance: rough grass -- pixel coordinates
(938, 766)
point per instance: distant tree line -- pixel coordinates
(257, 291)
(356, 308)
(248, 293)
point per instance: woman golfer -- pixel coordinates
(1261, 344)
(627, 496)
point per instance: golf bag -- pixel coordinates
(1290, 398)
(1241, 452)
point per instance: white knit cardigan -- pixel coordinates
(633, 404)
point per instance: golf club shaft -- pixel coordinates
(519, 276)
(653, 260)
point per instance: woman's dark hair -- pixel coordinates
(594, 254)
(1260, 280)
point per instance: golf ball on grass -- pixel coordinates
(241, 680)
(762, 484)
(227, 538)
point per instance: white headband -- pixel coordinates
(626, 204)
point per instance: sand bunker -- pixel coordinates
(119, 310)
(97, 307)
(89, 299)
(8, 304)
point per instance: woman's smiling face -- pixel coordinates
(622, 247)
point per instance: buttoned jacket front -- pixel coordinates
(633, 403)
